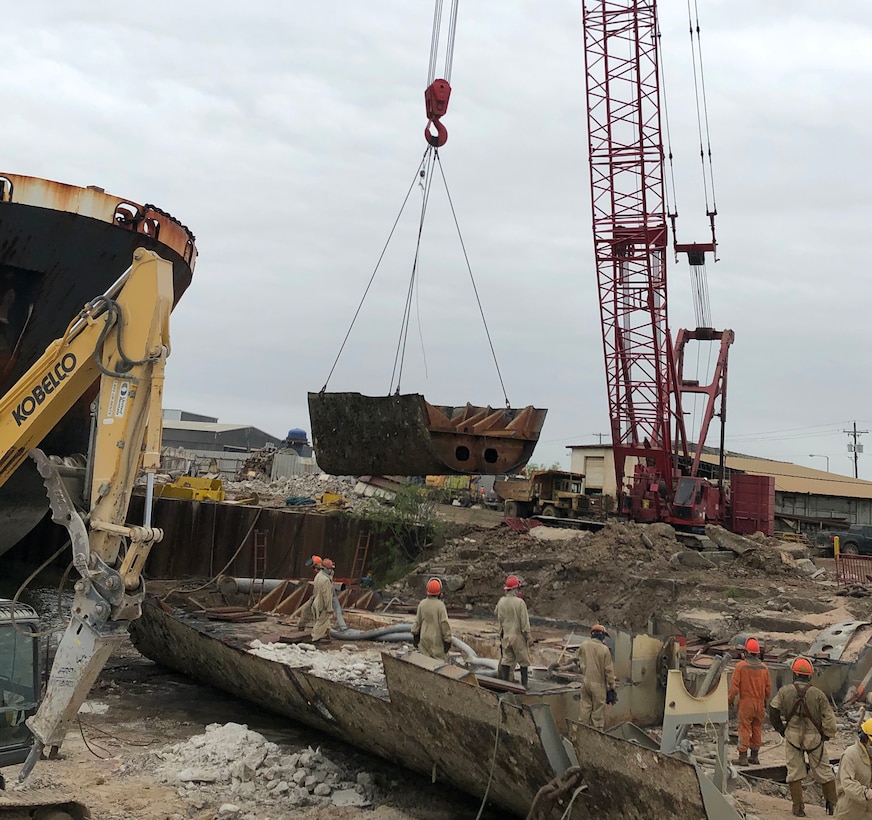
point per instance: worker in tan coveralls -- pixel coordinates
(598, 687)
(306, 615)
(515, 636)
(855, 778)
(431, 633)
(751, 686)
(802, 715)
(322, 602)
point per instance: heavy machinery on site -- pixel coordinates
(122, 339)
(551, 493)
(658, 467)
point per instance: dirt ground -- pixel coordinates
(627, 573)
(137, 708)
(622, 576)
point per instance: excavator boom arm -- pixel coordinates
(121, 337)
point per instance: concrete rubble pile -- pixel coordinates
(355, 666)
(274, 493)
(243, 776)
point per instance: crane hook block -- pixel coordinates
(436, 101)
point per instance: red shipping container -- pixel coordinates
(752, 504)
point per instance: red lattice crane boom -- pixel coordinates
(630, 227)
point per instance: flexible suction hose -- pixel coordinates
(403, 632)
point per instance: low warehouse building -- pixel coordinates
(805, 499)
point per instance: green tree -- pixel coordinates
(533, 467)
(407, 526)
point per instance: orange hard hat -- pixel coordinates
(598, 628)
(752, 646)
(316, 559)
(512, 582)
(434, 586)
(802, 666)
(327, 563)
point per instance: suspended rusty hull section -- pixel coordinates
(404, 434)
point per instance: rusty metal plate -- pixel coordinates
(355, 434)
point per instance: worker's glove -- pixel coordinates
(611, 697)
(446, 645)
(416, 639)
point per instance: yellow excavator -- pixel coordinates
(122, 339)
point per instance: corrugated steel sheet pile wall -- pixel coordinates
(200, 537)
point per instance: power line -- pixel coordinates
(790, 429)
(855, 448)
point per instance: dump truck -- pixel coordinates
(462, 488)
(552, 493)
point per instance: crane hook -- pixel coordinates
(438, 139)
(436, 99)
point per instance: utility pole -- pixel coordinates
(600, 436)
(855, 448)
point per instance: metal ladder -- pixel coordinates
(259, 554)
(361, 553)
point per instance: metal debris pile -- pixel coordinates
(240, 775)
(358, 667)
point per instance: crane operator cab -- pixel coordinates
(696, 502)
(19, 679)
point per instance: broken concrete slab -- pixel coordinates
(704, 623)
(719, 556)
(554, 533)
(797, 550)
(691, 559)
(806, 565)
(729, 540)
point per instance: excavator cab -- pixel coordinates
(19, 679)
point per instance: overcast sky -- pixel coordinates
(285, 135)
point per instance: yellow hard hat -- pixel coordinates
(866, 728)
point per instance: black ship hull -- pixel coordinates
(60, 246)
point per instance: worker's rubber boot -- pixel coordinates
(503, 671)
(830, 796)
(754, 759)
(796, 796)
(524, 671)
(742, 759)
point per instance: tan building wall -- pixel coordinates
(597, 464)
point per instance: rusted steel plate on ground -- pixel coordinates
(355, 434)
(629, 782)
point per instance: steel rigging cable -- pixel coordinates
(436, 101)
